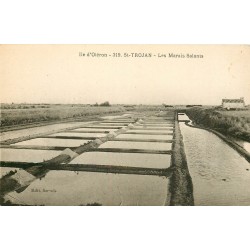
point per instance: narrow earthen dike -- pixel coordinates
(181, 187)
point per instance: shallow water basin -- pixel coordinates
(143, 126)
(67, 134)
(155, 131)
(37, 130)
(99, 125)
(145, 137)
(53, 142)
(137, 145)
(114, 124)
(95, 129)
(27, 155)
(86, 188)
(124, 159)
(120, 120)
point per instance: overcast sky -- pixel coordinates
(57, 74)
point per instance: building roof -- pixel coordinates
(233, 100)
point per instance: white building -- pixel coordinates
(233, 103)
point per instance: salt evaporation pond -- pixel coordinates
(94, 129)
(116, 116)
(164, 125)
(157, 124)
(119, 120)
(124, 159)
(142, 131)
(69, 134)
(114, 124)
(106, 126)
(152, 127)
(158, 121)
(27, 155)
(83, 188)
(145, 137)
(67, 143)
(37, 130)
(137, 145)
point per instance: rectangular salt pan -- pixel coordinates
(95, 129)
(153, 127)
(137, 145)
(145, 137)
(124, 159)
(116, 116)
(84, 188)
(27, 155)
(155, 131)
(38, 130)
(120, 120)
(114, 124)
(53, 142)
(79, 134)
(99, 125)
(157, 121)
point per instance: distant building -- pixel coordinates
(233, 103)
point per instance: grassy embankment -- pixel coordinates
(230, 123)
(20, 115)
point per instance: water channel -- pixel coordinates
(220, 175)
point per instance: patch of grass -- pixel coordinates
(236, 113)
(231, 123)
(23, 106)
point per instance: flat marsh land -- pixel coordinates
(26, 114)
(13, 115)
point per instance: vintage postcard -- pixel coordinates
(129, 125)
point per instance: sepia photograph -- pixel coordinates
(124, 125)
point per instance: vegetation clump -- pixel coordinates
(229, 125)
(105, 104)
